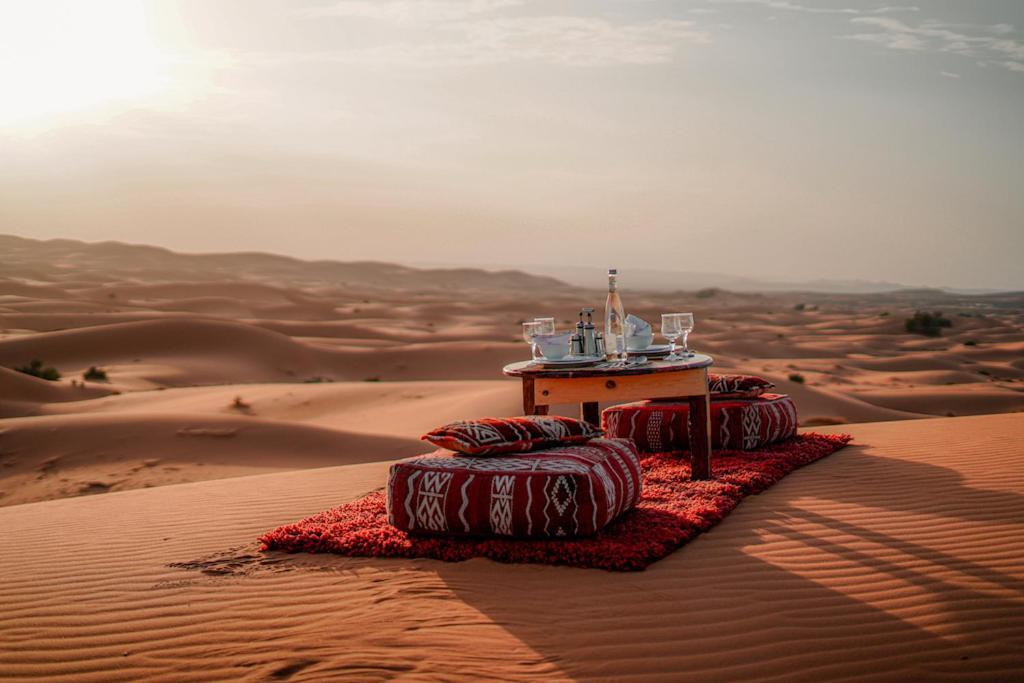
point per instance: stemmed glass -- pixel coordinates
(547, 326)
(674, 325)
(530, 332)
(686, 323)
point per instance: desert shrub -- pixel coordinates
(707, 293)
(883, 314)
(970, 342)
(372, 379)
(928, 324)
(95, 374)
(797, 377)
(799, 307)
(239, 404)
(37, 369)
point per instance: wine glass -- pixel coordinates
(530, 332)
(686, 325)
(671, 329)
(547, 325)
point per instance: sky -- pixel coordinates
(780, 139)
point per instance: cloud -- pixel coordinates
(446, 33)
(559, 40)
(892, 9)
(788, 6)
(410, 11)
(986, 44)
(565, 41)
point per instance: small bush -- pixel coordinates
(37, 369)
(372, 379)
(799, 307)
(797, 377)
(883, 314)
(95, 374)
(928, 324)
(970, 342)
(708, 293)
(239, 404)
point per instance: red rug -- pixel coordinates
(672, 511)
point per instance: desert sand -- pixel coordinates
(896, 559)
(244, 391)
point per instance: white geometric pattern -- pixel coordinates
(480, 433)
(555, 429)
(465, 503)
(502, 492)
(501, 464)
(724, 430)
(751, 426)
(609, 488)
(433, 492)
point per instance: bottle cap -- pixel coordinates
(613, 271)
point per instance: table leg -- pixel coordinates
(529, 405)
(700, 437)
(591, 412)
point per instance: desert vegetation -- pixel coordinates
(37, 368)
(95, 374)
(927, 324)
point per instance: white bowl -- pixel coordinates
(639, 342)
(553, 346)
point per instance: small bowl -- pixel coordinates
(553, 346)
(639, 342)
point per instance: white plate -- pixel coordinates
(652, 350)
(576, 361)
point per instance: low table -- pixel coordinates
(588, 386)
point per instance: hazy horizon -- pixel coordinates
(772, 139)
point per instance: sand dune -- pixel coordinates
(43, 458)
(896, 559)
(22, 394)
(949, 400)
(202, 351)
(404, 409)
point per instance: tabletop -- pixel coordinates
(528, 368)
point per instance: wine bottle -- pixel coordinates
(614, 321)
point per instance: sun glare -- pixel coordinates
(64, 57)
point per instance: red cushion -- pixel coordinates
(739, 424)
(737, 386)
(567, 491)
(495, 435)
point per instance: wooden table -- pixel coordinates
(543, 387)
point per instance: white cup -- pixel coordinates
(640, 340)
(553, 346)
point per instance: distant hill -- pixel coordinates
(60, 259)
(665, 280)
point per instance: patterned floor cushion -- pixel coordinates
(737, 386)
(566, 491)
(497, 435)
(741, 424)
